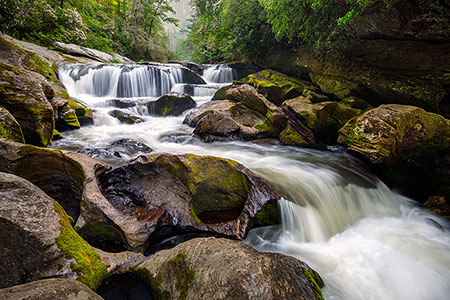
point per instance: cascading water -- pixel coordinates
(219, 74)
(366, 241)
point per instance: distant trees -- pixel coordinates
(130, 27)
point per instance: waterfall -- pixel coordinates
(120, 81)
(219, 74)
(366, 241)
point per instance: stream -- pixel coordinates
(365, 240)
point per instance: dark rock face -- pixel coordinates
(173, 104)
(9, 128)
(118, 150)
(410, 146)
(56, 289)
(201, 269)
(186, 193)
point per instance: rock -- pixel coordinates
(249, 116)
(379, 71)
(314, 97)
(83, 113)
(37, 238)
(23, 94)
(97, 55)
(197, 68)
(121, 103)
(220, 94)
(57, 135)
(191, 77)
(409, 146)
(355, 102)
(118, 151)
(56, 289)
(9, 128)
(438, 205)
(210, 268)
(164, 194)
(276, 87)
(246, 68)
(173, 104)
(125, 117)
(324, 118)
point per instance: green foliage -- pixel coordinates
(228, 30)
(132, 28)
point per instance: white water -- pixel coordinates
(366, 241)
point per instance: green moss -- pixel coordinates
(88, 265)
(267, 127)
(292, 138)
(317, 282)
(183, 275)
(34, 63)
(152, 282)
(194, 216)
(268, 215)
(57, 135)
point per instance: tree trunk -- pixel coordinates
(61, 3)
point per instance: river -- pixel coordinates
(366, 241)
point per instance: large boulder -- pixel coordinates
(210, 268)
(163, 194)
(26, 96)
(323, 118)
(247, 115)
(173, 104)
(38, 240)
(9, 128)
(276, 87)
(409, 146)
(56, 289)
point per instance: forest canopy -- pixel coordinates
(133, 28)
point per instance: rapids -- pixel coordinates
(366, 241)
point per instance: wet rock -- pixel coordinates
(97, 55)
(9, 128)
(324, 118)
(220, 94)
(37, 238)
(120, 149)
(121, 103)
(247, 117)
(200, 269)
(276, 87)
(438, 205)
(56, 289)
(197, 68)
(191, 77)
(184, 193)
(126, 118)
(173, 104)
(409, 146)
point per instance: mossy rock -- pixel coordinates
(83, 113)
(276, 87)
(125, 117)
(9, 128)
(24, 95)
(212, 268)
(173, 104)
(324, 118)
(87, 263)
(290, 136)
(409, 146)
(57, 135)
(220, 94)
(103, 236)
